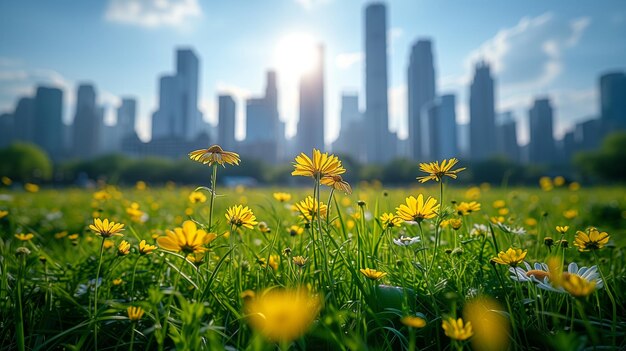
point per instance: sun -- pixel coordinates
(295, 54)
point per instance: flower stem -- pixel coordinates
(20, 314)
(95, 297)
(213, 186)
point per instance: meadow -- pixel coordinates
(331, 266)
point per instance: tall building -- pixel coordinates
(226, 121)
(311, 124)
(263, 126)
(381, 145)
(440, 139)
(7, 129)
(86, 141)
(421, 91)
(482, 114)
(541, 147)
(178, 116)
(506, 137)
(613, 99)
(48, 131)
(350, 141)
(24, 116)
(126, 117)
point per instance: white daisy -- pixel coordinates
(406, 240)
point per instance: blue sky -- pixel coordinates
(555, 48)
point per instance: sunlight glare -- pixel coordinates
(295, 54)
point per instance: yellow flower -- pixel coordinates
(559, 181)
(499, 204)
(336, 182)
(282, 197)
(308, 208)
(436, 171)
(264, 228)
(574, 186)
(101, 195)
(141, 185)
(577, 286)
(197, 196)
(591, 240)
(546, 183)
(295, 230)
(455, 329)
(416, 209)
(389, 220)
(299, 261)
(465, 208)
(473, 193)
(117, 281)
(413, 321)
(24, 237)
(3, 214)
(105, 228)
(372, 273)
(247, 295)
(134, 313)
(215, 154)
(60, 235)
(320, 166)
(6, 181)
(570, 214)
(31, 188)
(146, 249)
(123, 248)
(188, 239)
(511, 257)
(492, 327)
(240, 216)
(73, 236)
(197, 258)
(562, 229)
(274, 261)
(134, 212)
(282, 315)
(108, 244)
(455, 223)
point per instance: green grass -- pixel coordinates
(201, 308)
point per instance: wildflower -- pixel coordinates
(413, 321)
(576, 281)
(511, 257)
(73, 236)
(240, 216)
(574, 186)
(416, 209)
(24, 237)
(215, 154)
(22, 251)
(490, 326)
(479, 230)
(60, 235)
(562, 229)
(299, 261)
(108, 244)
(499, 204)
(188, 239)
(295, 230)
(282, 197)
(497, 220)
(286, 251)
(135, 214)
(3, 214)
(570, 214)
(592, 239)
(141, 185)
(455, 329)
(308, 208)
(436, 171)
(473, 193)
(145, 249)
(247, 295)
(101, 195)
(197, 196)
(117, 281)
(558, 181)
(123, 248)
(577, 286)
(548, 241)
(465, 208)
(455, 223)
(6, 181)
(336, 182)
(512, 230)
(282, 315)
(372, 273)
(563, 243)
(197, 258)
(406, 241)
(31, 188)
(389, 220)
(105, 228)
(546, 183)
(321, 165)
(134, 313)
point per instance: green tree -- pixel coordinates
(25, 162)
(609, 162)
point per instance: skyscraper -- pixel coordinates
(7, 129)
(380, 146)
(541, 147)
(24, 116)
(86, 124)
(440, 139)
(311, 124)
(350, 141)
(482, 114)
(263, 126)
(226, 121)
(126, 116)
(613, 99)
(178, 115)
(421, 90)
(506, 136)
(48, 131)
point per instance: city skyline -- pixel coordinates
(557, 68)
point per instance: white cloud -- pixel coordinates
(347, 60)
(578, 26)
(153, 13)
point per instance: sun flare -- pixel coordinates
(295, 54)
